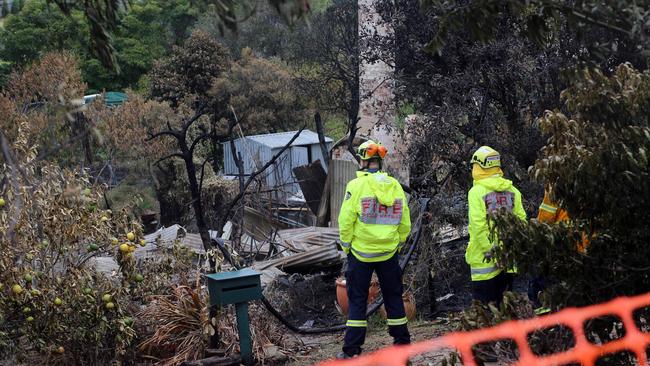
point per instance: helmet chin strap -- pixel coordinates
(369, 162)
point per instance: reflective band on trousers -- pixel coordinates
(483, 270)
(400, 321)
(357, 323)
(344, 244)
(371, 255)
(548, 208)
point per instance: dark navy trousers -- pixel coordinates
(358, 276)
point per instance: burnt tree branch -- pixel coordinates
(254, 174)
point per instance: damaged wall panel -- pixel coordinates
(311, 178)
(342, 172)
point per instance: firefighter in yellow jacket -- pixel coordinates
(490, 192)
(374, 222)
(551, 213)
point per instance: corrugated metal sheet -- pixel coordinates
(259, 149)
(342, 171)
(255, 155)
(278, 140)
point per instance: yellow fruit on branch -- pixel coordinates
(30, 319)
(130, 236)
(26, 310)
(124, 248)
(2, 202)
(58, 301)
(27, 277)
(143, 242)
(106, 298)
(114, 241)
(110, 305)
(17, 289)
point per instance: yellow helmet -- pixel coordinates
(486, 157)
(371, 149)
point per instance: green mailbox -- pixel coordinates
(237, 287)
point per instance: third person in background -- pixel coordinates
(490, 192)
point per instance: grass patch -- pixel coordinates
(131, 193)
(335, 126)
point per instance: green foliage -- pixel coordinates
(140, 38)
(336, 126)
(143, 34)
(595, 165)
(102, 17)
(319, 6)
(403, 110)
(16, 6)
(40, 28)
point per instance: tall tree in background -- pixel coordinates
(262, 94)
(332, 47)
(188, 74)
(102, 17)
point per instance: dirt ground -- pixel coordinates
(309, 301)
(319, 348)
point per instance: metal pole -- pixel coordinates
(245, 343)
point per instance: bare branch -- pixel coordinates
(251, 178)
(178, 155)
(203, 173)
(187, 124)
(17, 203)
(200, 139)
(163, 133)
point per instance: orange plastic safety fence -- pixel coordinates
(584, 352)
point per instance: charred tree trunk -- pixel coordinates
(353, 118)
(321, 139)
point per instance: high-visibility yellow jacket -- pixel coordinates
(374, 218)
(487, 196)
(551, 213)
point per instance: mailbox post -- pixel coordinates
(237, 287)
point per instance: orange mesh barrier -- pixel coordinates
(583, 352)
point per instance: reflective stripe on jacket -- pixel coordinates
(550, 213)
(487, 196)
(374, 217)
